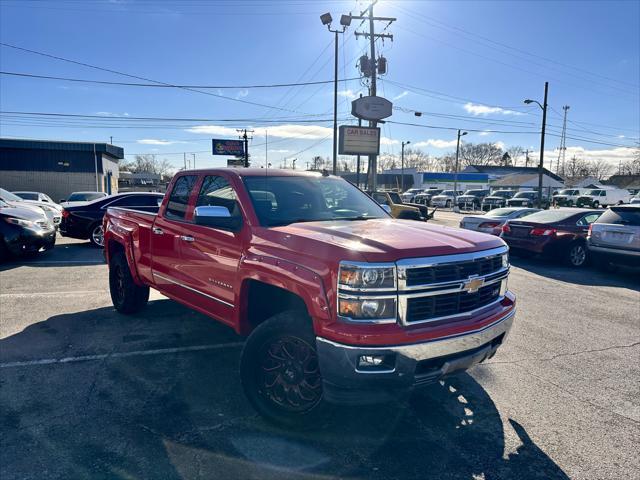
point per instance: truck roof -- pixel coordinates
(256, 172)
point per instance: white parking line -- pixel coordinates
(44, 294)
(135, 353)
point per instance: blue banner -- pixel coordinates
(228, 147)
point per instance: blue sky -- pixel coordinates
(473, 60)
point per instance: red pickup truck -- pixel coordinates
(340, 302)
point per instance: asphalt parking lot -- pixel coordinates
(88, 393)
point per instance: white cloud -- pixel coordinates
(306, 132)
(350, 94)
(499, 145)
(621, 136)
(484, 134)
(112, 114)
(388, 141)
(477, 109)
(436, 143)
(280, 151)
(154, 141)
(242, 93)
(402, 95)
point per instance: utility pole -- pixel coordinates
(246, 144)
(194, 159)
(402, 166)
(266, 146)
(110, 139)
(373, 67)
(543, 106)
(184, 157)
(455, 174)
(563, 142)
(526, 158)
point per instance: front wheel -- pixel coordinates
(127, 297)
(97, 236)
(448, 204)
(577, 255)
(280, 371)
(596, 204)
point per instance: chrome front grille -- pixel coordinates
(436, 288)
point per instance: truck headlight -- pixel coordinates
(505, 260)
(356, 277)
(367, 309)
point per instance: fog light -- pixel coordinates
(377, 363)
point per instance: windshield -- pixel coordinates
(565, 192)
(285, 200)
(8, 196)
(447, 193)
(413, 190)
(500, 212)
(27, 195)
(395, 198)
(502, 193)
(474, 192)
(525, 195)
(84, 196)
(550, 216)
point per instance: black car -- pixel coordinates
(24, 231)
(472, 199)
(527, 199)
(497, 199)
(85, 221)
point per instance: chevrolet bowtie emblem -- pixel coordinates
(473, 285)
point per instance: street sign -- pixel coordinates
(371, 108)
(359, 140)
(228, 147)
(235, 162)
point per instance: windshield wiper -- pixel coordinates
(352, 219)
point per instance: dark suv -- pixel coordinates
(472, 199)
(527, 199)
(497, 199)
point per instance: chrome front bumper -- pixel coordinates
(406, 366)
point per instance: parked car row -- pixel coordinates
(24, 231)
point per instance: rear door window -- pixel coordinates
(621, 216)
(179, 199)
(133, 201)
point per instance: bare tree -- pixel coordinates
(147, 164)
(600, 168)
(480, 154)
(576, 167)
(516, 153)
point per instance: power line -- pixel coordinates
(55, 57)
(155, 85)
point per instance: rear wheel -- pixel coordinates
(97, 235)
(280, 371)
(596, 204)
(448, 204)
(577, 255)
(127, 297)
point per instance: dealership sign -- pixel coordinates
(371, 108)
(359, 140)
(228, 147)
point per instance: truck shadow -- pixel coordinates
(181, 413)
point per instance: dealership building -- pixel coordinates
(58, 168)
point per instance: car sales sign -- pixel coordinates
(359, 140)
(228, 147)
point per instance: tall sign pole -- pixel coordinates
(544, 126)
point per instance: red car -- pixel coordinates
(340, 302)
(560, 233)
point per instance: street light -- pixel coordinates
(544, 125)
(402, 165)
(455, 174)
(345, 21)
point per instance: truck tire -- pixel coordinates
(127, 297)
(280, 372)
(596, 204)
(577, 255)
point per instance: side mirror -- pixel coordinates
(386, 208)
(216, 217)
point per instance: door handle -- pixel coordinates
(158, 231)
(187, 238)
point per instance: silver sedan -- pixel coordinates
(492, 221)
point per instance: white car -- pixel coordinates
(446, 199)
(51, 211)
(492, 221)
(636, 199)
(410, 195)
(567, 197)
(604, 197)
(80, 198)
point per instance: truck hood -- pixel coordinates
(380, 240)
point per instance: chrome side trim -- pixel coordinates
(440, 346)
(193, 290)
